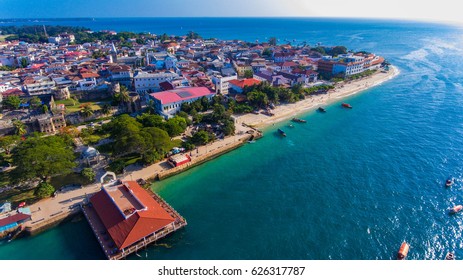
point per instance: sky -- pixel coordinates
(440, 11)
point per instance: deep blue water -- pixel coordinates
(349, 184)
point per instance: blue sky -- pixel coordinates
(442, 10)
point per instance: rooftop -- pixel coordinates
(180, 94)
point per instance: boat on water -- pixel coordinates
(252, 141)
(321, 109)
(449, 182)
(346, 105)
(403, 251)
(450, 256)
(282, 132)
(298, 120)
(290, 125)
(456, 209)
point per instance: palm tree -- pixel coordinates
(106, 108)
(124, 96)
(86, 111)
(19, 127)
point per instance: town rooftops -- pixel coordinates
(14, 219)
(129, 213)
(245, 82)
(181, 94)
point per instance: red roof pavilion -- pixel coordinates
(129, 213)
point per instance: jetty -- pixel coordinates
(126, 218)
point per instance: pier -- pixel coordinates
(123, 216)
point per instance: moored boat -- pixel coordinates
(403, 251)
(456, 209)
(449, 182)
(450, 256)
(298, 120)
(346, 105)
(282, 132)
(321, 109)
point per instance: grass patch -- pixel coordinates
(27, 196)
(73, 106)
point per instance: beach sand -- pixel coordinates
(342, 90)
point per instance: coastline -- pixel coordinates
(341, 91)
(51, 211)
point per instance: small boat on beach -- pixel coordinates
(403, 251)
(456, 209)
(321, 109)
(346, 105)
(449, 182)
(450, 256)
(298, 120)
(282, 132)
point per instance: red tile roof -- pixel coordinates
(181, 94)
(244, 82)
(126, 230)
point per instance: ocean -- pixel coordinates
(347, 185)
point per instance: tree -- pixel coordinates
(106, 108)
(7, 142)
(12, 102)
(123, 96)
(272, 41)
(248, 74)
(44, 190)
(175, 126)
(24, 62)
(89, 174)
(35, 102)
(267, 52)
(44, 109)
(19, 127)
(228, 127)
(42, 157)
(86, 111)
(257, 98)
(200, 138)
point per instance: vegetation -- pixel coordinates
(89, 174)
(12, 102)
(272, 41)
(42, 157)
(44, 190)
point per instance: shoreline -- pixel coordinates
(51, 211)
(341, 91)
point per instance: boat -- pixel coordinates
(449, 182)
(403, 251)
(299, 120)
(282, 132)
(252, 141)
(450, 256)
(456, 209)
(321, 109)
(346, 105)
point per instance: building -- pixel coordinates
(145, 82)
(9, 223)
(222, 83)
(39, 85)
(90, 156)
(238, 85)
(179, 159)
(121, 74)
(125, 218)
(168, 103)
(51, 124)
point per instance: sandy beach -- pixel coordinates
(342, 90)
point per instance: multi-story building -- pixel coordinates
(51, 124)
(121, 74)
(222, 83)
(168, 103)
(145, 82)
(39, 85)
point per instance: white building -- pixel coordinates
(222, 83)
(149, 82)
(41, 85)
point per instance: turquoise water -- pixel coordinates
(349, 184)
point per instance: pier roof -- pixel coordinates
(129, 213)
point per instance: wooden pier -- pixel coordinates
(108, 246)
